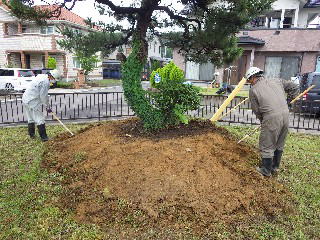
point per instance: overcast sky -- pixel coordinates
(86, 8)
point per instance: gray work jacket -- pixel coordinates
(268, 97)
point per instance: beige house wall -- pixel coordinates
(309, 62)
(179, 59)
(287, 40)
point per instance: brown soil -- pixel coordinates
(193, 174)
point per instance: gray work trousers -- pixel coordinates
(274, 130)
(34, 115)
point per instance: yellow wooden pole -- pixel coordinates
(217, 115)
(303, 93)
(232, 109)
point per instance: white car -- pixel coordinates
(15, 79)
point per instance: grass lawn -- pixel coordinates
(29, 194)
(105, 82)
(213, 91)
(94, 83)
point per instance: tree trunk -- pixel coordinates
(131, 76)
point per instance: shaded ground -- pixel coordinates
(191, 176)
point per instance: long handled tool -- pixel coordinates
(249, 134)
(55, 116)
(303, 93)
(294, 100)
(234, 108)
(218, 114)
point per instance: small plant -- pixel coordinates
(174, 97)
(52, 63)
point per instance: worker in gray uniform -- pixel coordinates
(269, 103)
(33, 98)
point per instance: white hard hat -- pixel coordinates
(55, 73)
(252, 71)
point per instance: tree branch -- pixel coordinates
(118, 9)
(179, 18)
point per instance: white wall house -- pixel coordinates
(288, 14)
(283, 41)
(23, 44)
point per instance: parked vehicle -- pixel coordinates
(310, 102)
(53, 83)
(15, 79)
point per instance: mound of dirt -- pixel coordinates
(192, 173)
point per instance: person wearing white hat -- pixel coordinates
(269, 103)
(33, 98)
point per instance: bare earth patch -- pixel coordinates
(192, 175)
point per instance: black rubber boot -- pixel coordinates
(42, 132)
(31, 130)
(276, 160)
(266, 167)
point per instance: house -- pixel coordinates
(156, 52)
(24, 44)
(283, 42)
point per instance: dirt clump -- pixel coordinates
(193, 174)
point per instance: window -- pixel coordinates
(258, 22)
(6, 73)
(25, 73)
(47, 30)
(24, 28)
(316, 81)
(76, 62)
(159, 49)
(282, 67)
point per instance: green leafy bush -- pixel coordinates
(52, 63)
(173, 98)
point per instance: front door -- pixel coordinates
(28, 61)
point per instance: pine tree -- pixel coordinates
(208, 33)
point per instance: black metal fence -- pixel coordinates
(104, 105)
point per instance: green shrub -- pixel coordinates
(52, 63)
(173, 98)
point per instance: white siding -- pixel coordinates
(285, 4)
(192, 71)
(1, 30)
(153, 48)
(25, 42)
(72, 72)
(3, 58)
(304, 14)
(36, 60)
(5, 16)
